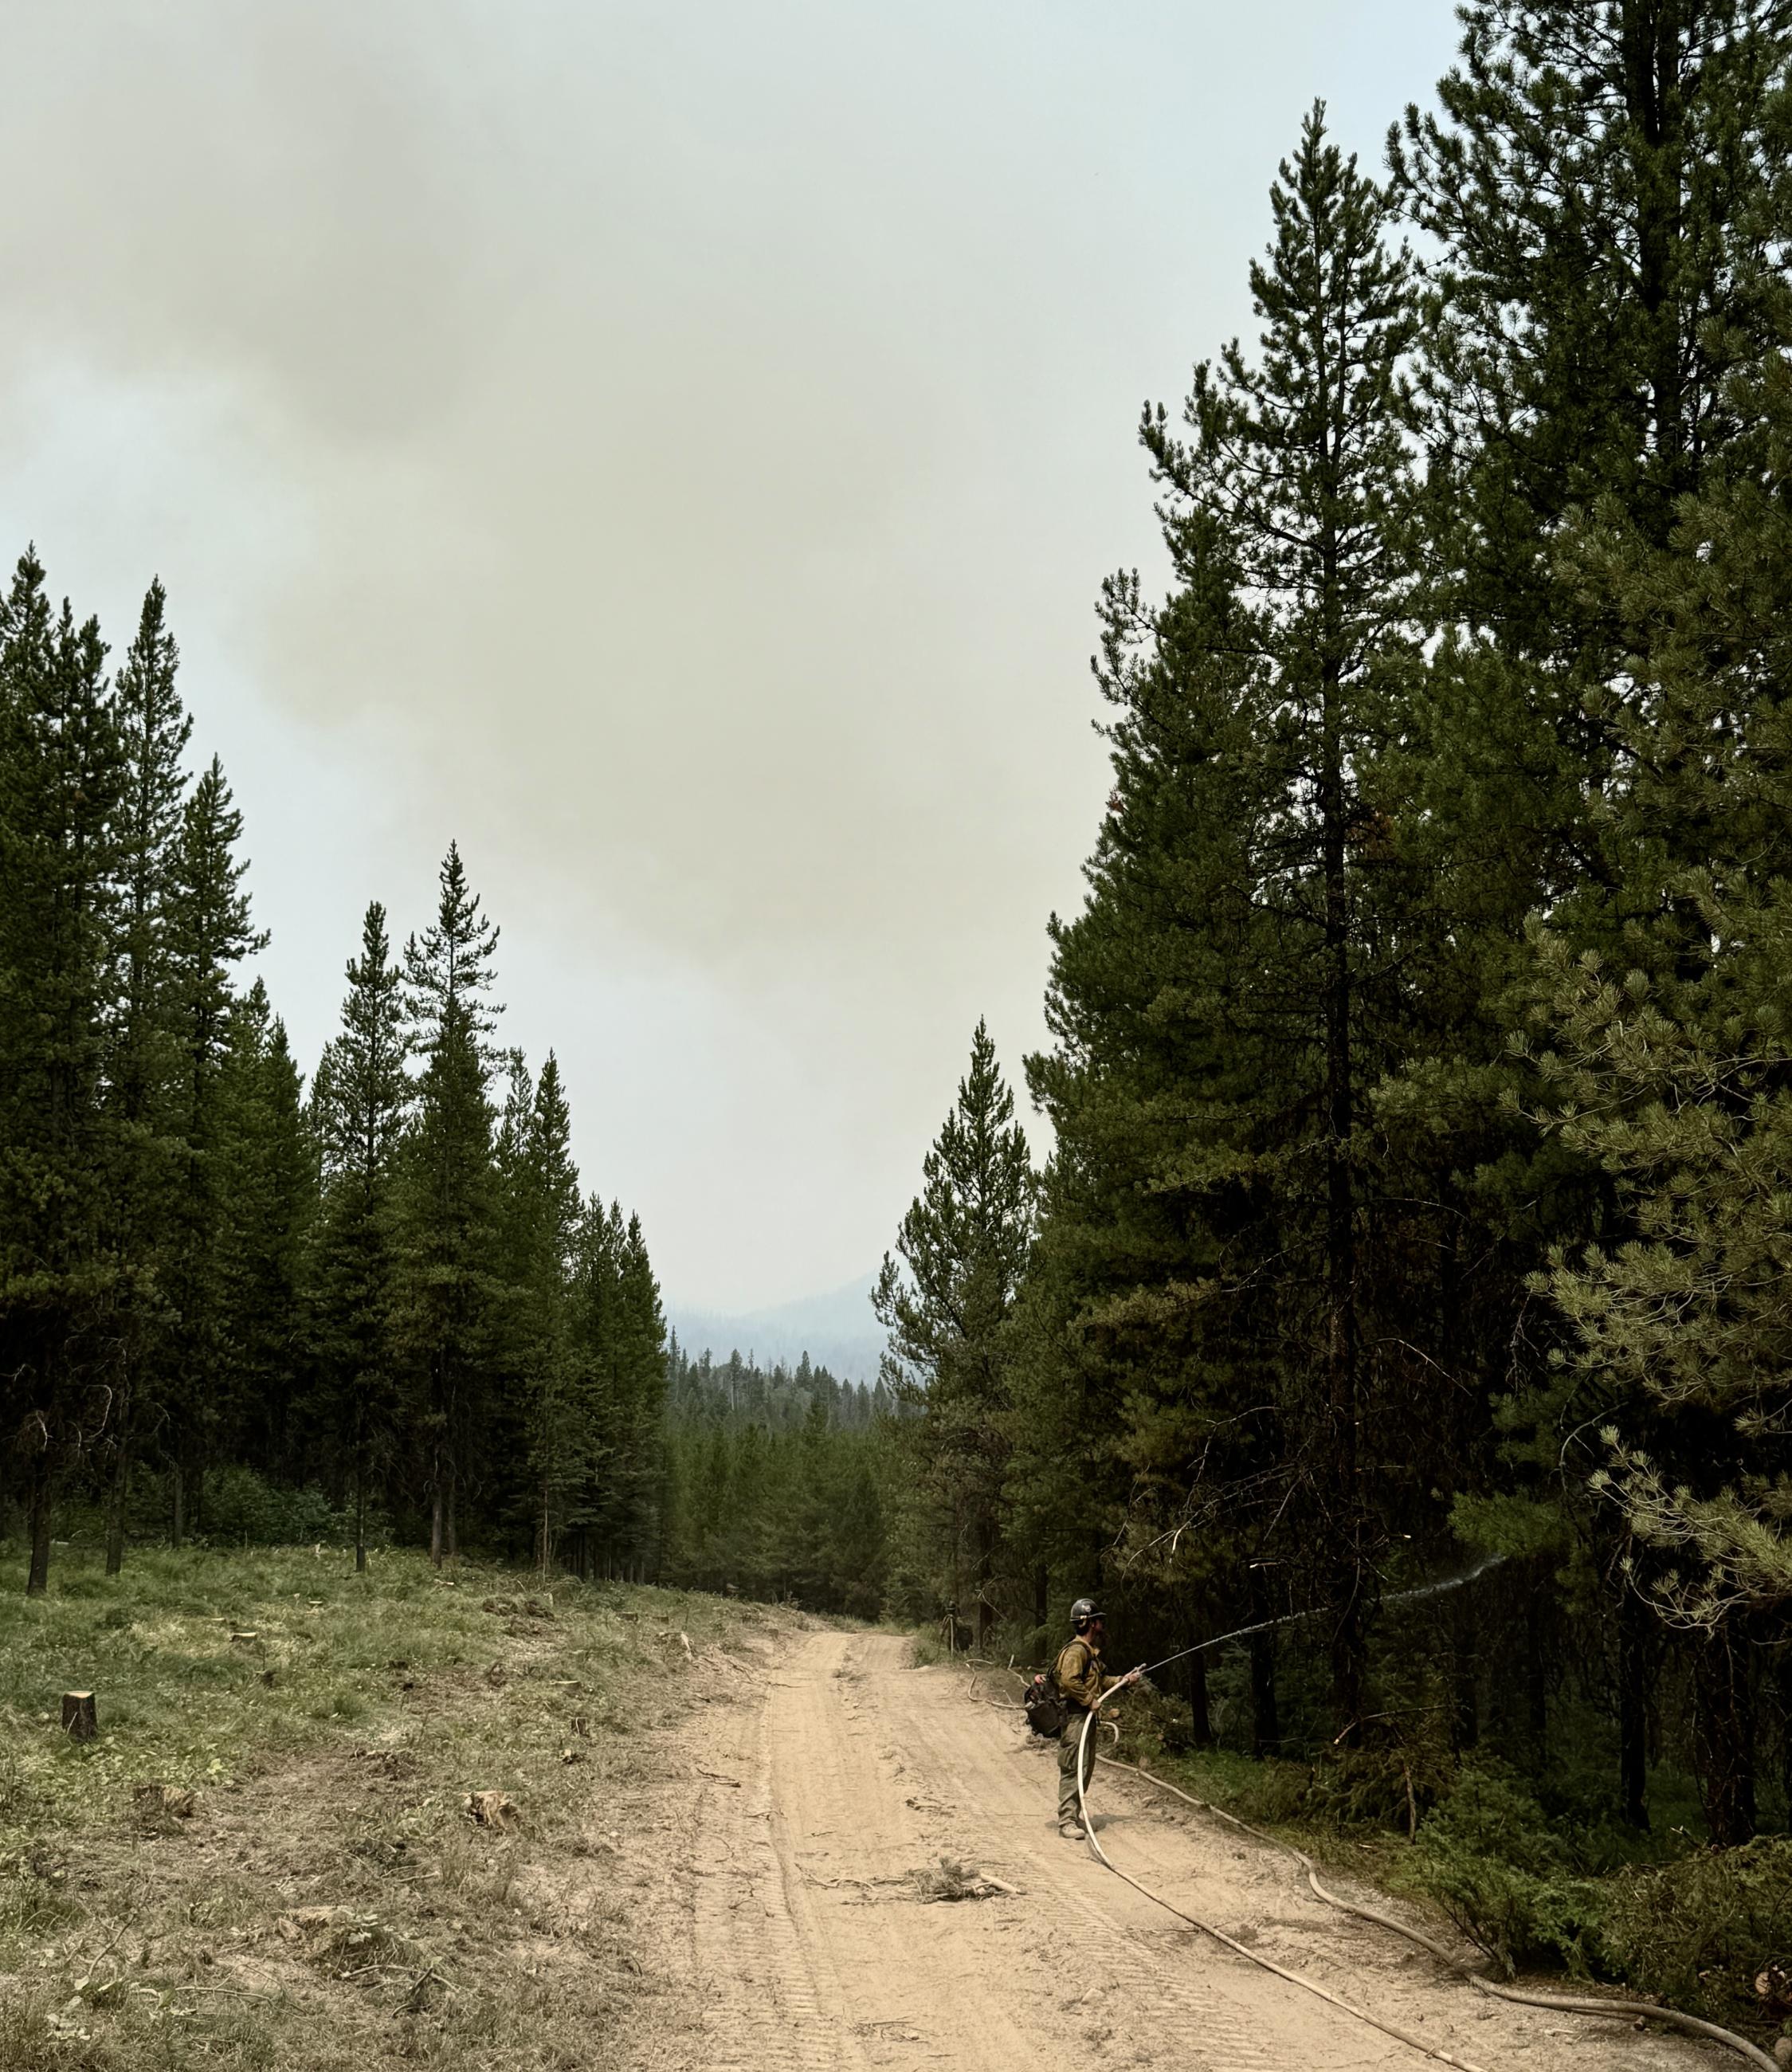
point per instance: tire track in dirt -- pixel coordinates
(772, 1996)
(1223, 2016)
(819, 1791)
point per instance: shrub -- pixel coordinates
(1390, 1786)
(241, 1507)
(1700, 1931)
(1489, 1858)
(1267, 1794)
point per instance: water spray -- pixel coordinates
(1432, 1589)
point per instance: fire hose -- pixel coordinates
(1558, 2004)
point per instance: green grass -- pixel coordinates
(328, 1904)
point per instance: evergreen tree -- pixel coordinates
(620, 1335)
(448, 973)
(1670, 1069)
(143, 1068)
(209, 933)
(643, 1347)
(449, 1297)
(540, 1188)
(1681, 1331)
(268, 1190)
(61, 776)
(1224, 1240)
(963, 1247)
(1604, 189)
(359, 1100)
(799, 1508)
(195, 1260)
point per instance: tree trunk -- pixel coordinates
(1723, 1739)
(1041, 1594)
(544, 1537)
(450, 1538)
(986, 1569)
(360, 1521)
(37, 1580)
(1783, 1681)
(1654, 99)
(177, 1490)
(1350, 1636)
(1465, 1676)
(1350, 1646)
(1266, 1726)
(115, 1509)
(1633, 1668)
(1200, 1725)
(1536, 1678)
(435, 1515)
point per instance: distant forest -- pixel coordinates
(773, 1483)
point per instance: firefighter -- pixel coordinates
(1081, 1678)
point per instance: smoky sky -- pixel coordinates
(672, 450)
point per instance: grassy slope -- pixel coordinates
(328, 1902)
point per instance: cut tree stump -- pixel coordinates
(80, 1719)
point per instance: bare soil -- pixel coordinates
(782, 1860)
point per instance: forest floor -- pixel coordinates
(734, 1836)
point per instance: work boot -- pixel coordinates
(1072, 1830)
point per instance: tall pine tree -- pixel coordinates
(359, 1100)
(448, 1202)
(1226, 1247)
(61, 776)
(946, 1297)
(144, 1067)
(209, 933)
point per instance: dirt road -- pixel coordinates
(776, 1878)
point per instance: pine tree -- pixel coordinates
(268, 1190)
(61, 776)
(359, 1100)
(963, 1247)
(448, 973)
(620, 1334)
(449, 1299)
(1305, 457)
(538, 1186)
(1604, 191)
(209, 932)
(1671, 1059)
(143, 1064)
(1224, 1241)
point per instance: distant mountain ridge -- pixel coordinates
(836, 1330)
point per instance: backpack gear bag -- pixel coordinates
(1046, 1713)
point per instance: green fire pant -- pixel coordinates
(1067, 1807)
